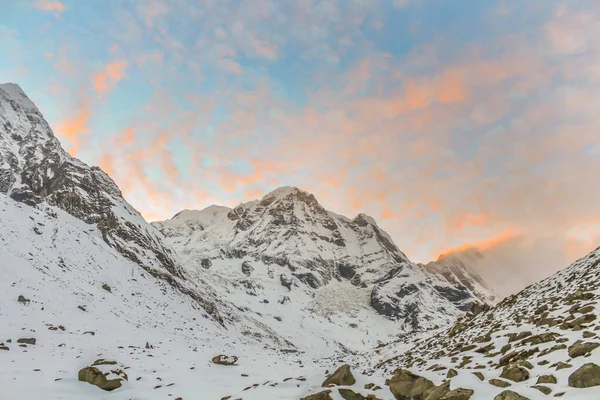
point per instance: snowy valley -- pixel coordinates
(286, 289)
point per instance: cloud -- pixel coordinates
(107, 79)
(49, 5)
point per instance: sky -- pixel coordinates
(449, 122)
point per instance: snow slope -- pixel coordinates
(60, 263)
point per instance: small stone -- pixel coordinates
(107, 288)
(544, 389)
(26, 340)
(499, 383)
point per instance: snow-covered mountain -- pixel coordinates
(292, 238)
(35, 169)
(460, 268)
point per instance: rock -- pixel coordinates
(82, 308)
(478, 375)
(561, 365)
(206, 263)
(348, 394)
(247, 268)
(2, 347)
(510, 395)
(224, 360)
(451, 373)
(285, 282)
(103, 362)
(544, 389)
(96, 377)
(438, 392)
(546, 379)
(325, 395)
(26, 340)
(499, 383)
(458, 394)
(405, 385)
(22, 299)
(369, 386)
(515, 373)
(586, 376)
(341, 377)
(107, 288)
(580, 348)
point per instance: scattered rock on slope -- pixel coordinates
(96, 377)
(224, 360)
(406, 385)
(586, 376)
(510, 395)
(341, 377)
(324, 395)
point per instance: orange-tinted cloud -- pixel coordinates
(483, 245)
(106, 80)
(50, 5)
(72, 128)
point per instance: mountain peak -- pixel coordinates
(15, 93)
(284, 191)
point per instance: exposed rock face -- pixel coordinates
(405, 385)
(341, 377)
(586, 376)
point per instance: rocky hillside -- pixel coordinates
(541, 341)
(305, 247)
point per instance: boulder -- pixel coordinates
(515, 373)
(341, 377)
(224, 360)
(580, 348)
(206, 263)
(26, 340)
(451, 373)
(348, 394)
(546, 379)
(586, 376)
(107, 288)
(96, 377)
(324, 395)
(458, 394)
(405, 385)
(510, 395)
(22, 299)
